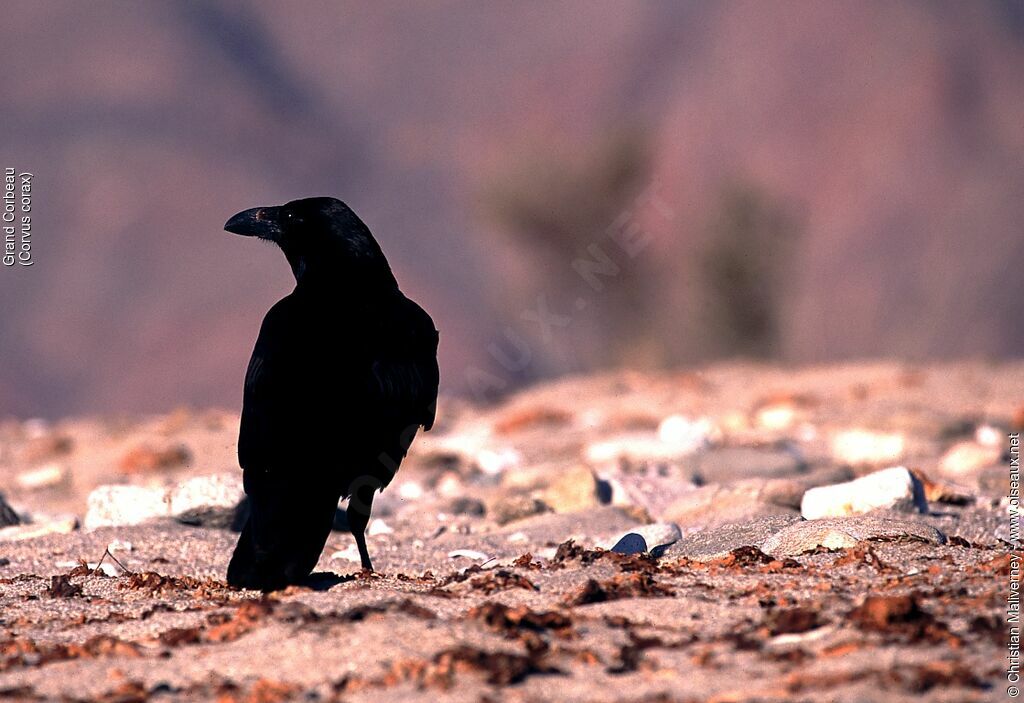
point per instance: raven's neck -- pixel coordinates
(359, 278)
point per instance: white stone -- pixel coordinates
(968, 457)
(496, 461)
(685, 435)
(866, 448)
(450, 486)
(43, 477)
(636, 446)
(204, 494)
(895, 489)
(988, 436)
(776, 417)
(107, 506)
(467, 554)
(410, 490)
(379, 527)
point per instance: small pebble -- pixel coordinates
(467, 554)
(652, 538)
(494, 462)
(379, 527)
(43, 477)
(518, 538)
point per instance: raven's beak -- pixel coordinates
(259, 222)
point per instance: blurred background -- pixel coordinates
(564, 186)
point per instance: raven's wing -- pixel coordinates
(350, 393)
(404, 371)
(268, 410)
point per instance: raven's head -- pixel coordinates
(321, 237)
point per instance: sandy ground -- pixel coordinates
(539, 613)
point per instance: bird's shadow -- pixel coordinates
(326, 580)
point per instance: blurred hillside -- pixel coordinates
(801, 182)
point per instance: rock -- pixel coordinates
(710, 506)
(633, 448)
(57, 525)
(968, 457)
(631, 543)
(145, 458)
(125, 505)
(379, 527)
(775, 417)
(780, 411)
(517, 538)
(8, 515)
(207, 500)
(686, 435)
(574, 489)
(654, 538)
(44, 477)
(867, 448)
(677, 437)
(838, 533)
(725, 464)
(989, 436)
(889, 489)
(719, 541)
(450, 485)
(409, 490)
(496, 461)
(509, 508)
(467, 554)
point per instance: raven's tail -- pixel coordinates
(281, 541)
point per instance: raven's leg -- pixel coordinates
(358, 513)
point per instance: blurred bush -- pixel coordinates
(744, 268)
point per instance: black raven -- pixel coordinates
(343, 374)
